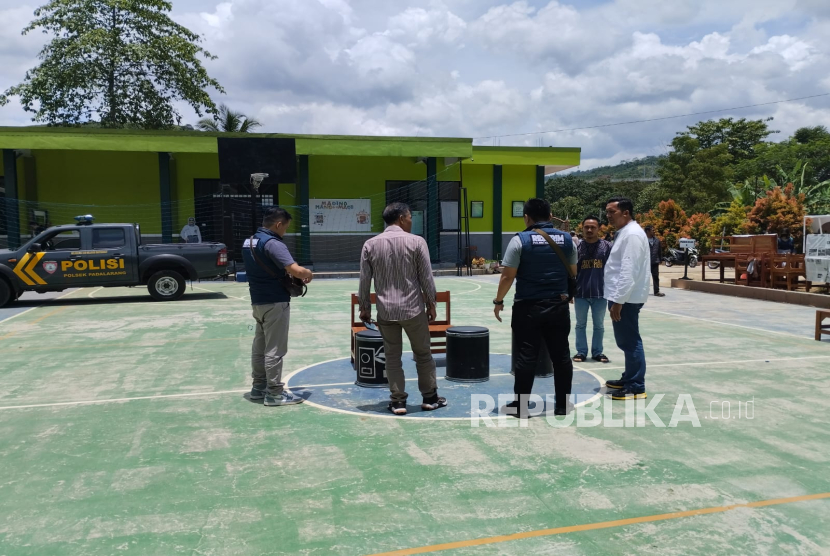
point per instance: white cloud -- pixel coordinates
(478, 68)
(427, 26)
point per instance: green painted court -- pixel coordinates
(123, 429)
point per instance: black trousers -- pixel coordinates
(534, 322)
(655, 277)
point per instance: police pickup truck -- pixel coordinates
(105, 255)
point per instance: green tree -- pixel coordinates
(805, 135)
(648, 198)
(569, 208)
(124, 63)
(740, 136)
(808, 145)
(696, 177)
(731, 221)
(228, 121)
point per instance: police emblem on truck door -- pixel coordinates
(50, 266)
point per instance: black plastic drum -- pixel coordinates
(370, 359)
(544, 367)
(468, 354)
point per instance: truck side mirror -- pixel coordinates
(35, 248)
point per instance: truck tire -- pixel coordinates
(166, 285)
(6, 295)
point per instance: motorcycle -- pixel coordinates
(678, 256)
(714, 265)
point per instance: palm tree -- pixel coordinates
(228, 121)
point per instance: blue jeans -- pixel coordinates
(627, 334)
(597, 306)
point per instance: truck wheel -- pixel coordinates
(6, 295)
(166, 285)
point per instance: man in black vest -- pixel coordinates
(267, 260)
(540, 308)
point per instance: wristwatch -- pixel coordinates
(497, 302)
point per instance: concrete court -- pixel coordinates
(123, 429)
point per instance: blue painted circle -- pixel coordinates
(330, 385)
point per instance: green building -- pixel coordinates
(161, 178)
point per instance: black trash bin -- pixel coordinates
(468, 354)
(370, 359)
(544, 367)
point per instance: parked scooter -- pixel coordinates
(678, 256)
(714, 265)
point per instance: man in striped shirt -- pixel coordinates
(398, 261)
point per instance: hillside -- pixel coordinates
(637, 168)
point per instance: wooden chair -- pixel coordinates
(786, 269)
(822, 328)
(437, 329)
(741, 268)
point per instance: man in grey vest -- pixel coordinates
(267, 261)
(540, 308)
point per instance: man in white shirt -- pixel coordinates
(627, 280)
(191, 232)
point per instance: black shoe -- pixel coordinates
(614, 384)
(433, 403)
(398, 408)
(626, 394)
(560, 411)
(660, 294)
(516, 413)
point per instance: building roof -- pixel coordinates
(130, 140)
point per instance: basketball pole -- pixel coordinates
(256, 180)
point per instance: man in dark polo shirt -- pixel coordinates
(267, 260)
(540, 308)
(590, 291)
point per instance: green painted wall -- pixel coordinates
(124, 186)
(518, 184)
(186, 168)
(348, 177)
(478, 179)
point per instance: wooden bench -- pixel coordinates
(742, 267)
(437, 328)
(786, 270)
(822, 328)
(737, 250)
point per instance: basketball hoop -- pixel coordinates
(256, 180)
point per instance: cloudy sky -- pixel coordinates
(484, 68)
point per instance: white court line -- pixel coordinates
(350, 383)
(223, 293)
(116, 400)
(478, 285)
(93, 292)
(762, 330)
(188, 394)
(596, 396)
(2, 322)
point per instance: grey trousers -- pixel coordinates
(417, 330)
(270, 346)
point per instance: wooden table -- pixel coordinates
(722, 258)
